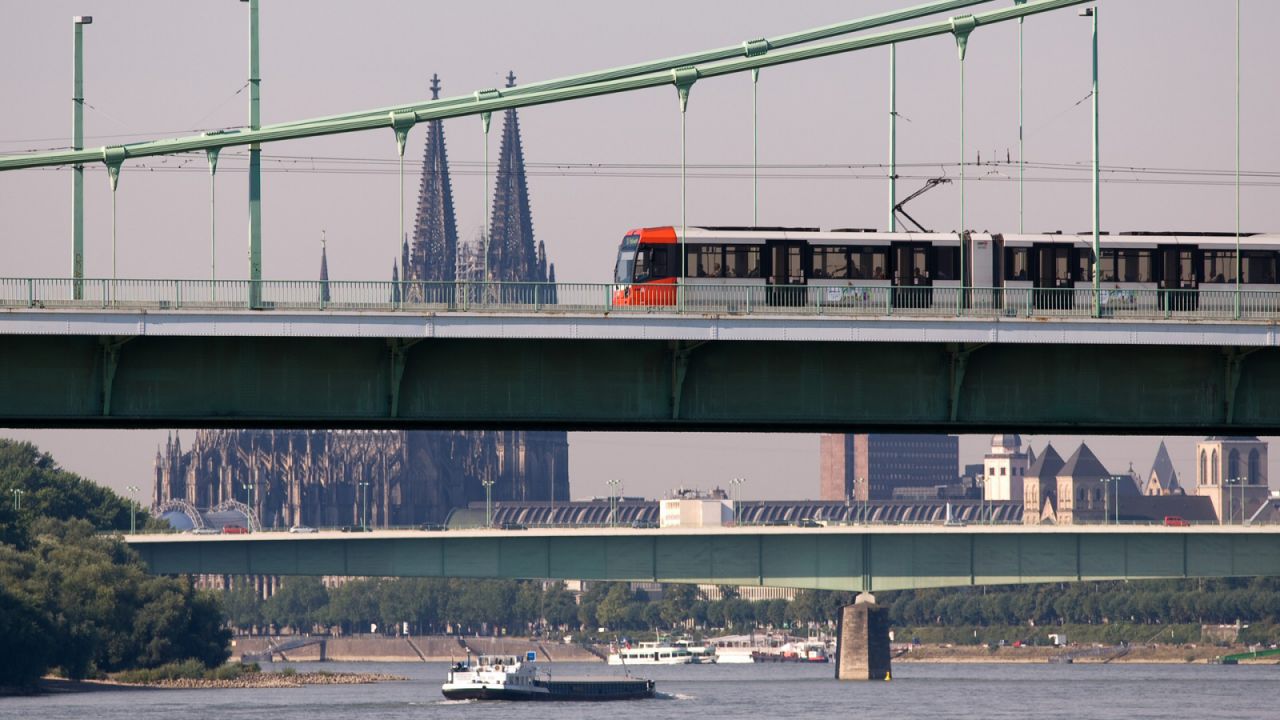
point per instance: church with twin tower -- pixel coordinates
(391, 477)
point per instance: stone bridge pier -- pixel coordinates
(862, 652)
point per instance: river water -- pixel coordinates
(934, 691)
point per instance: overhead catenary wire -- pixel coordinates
(1055, 172)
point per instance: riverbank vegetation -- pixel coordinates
(1108, 612)
(79, 603)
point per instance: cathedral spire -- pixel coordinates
(324, 268)
(513, 255)
(433, 255)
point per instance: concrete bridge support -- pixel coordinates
(863, 637)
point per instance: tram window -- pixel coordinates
(871, 262)
(1258, 267)
(1017, 263)
(795, 272)
(706, 261)
(1084, 266)
(1186, 275)
(742, 261)
(1219, 266)
(1134, 266)
(653, 263)
(831, 262)
(948, 263)
(623, 270)
(1108, 266)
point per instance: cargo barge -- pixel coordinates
(511, 677)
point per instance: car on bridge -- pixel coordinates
(234, 530)
(1175, 521)
(301, 529)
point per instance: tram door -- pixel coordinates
(1053, 277)
(786, 272)
(911, 275)
(1178, 278)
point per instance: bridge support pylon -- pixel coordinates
(862, 652)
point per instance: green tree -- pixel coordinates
(244, 607)
(612, 610)
(299, 603)
(27, 632)
(677, 603)
(559, 607)
(49, 491)
(352, 605)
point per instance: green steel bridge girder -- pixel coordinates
(894, 558)
(194, 381)
(741, 59)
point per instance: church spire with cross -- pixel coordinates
(324, 268)
(433, 252)
(513, 253)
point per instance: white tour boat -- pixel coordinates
(510, 677)
(661, 653)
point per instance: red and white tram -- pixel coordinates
(800, 263)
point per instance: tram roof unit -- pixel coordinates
(1146, 240)
(867, 236)
(843, 235)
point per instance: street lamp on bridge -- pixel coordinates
(1235, 482)
(615, 492)
(1108, 482)
(736, 486)
(487, 482)
(133, 506)
(250, 494)
(364, 517)
(1092, 12)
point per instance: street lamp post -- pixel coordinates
(17, 499)
(133, 506)
(1097, 251)
(1233, 483)
(364, 517)
(1111, 481)
(866, 492)
(488, 501)
(77, 143)
(250, 494)
(255, 164)
(736, 485)
(614, 484)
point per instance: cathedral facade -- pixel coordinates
(393, 478)
(385, 478)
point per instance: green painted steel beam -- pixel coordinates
(159, 381)
(837, 558)
(748, 48)
(483, 102)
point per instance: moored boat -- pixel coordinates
(654, 653)
(511, 677)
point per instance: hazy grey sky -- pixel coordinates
(156, 69)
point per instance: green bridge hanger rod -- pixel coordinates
(455, 107)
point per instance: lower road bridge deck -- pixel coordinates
(855, 558)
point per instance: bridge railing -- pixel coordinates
(874, 299)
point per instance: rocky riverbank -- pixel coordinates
(277, 680)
